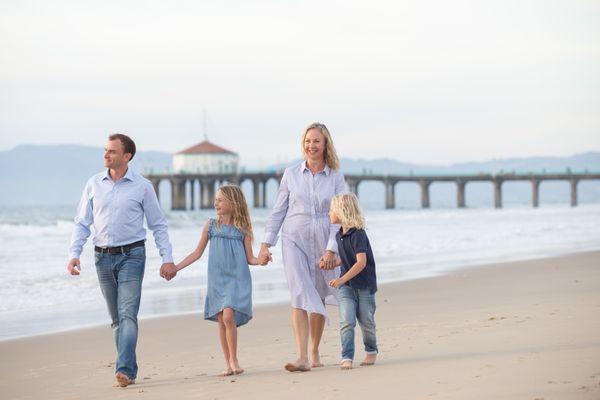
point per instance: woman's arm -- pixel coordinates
(278, 213)
(198, 251)
(332, 247)
(249, 253)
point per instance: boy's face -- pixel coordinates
(333, 217)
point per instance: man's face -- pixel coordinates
(114, 155)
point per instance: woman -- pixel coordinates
(301, 212)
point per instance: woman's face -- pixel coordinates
(314, 145)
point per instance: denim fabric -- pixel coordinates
(357, 304)
(120, 277)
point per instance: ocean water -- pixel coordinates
(38, 296)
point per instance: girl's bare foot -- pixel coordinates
(346, 364)
(316, 361)
(227, 372)
(369, 360)
(298, 366)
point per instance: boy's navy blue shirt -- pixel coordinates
(349, 244)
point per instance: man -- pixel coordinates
(115, 202)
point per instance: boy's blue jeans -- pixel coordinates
(357, 304)
(120, 277)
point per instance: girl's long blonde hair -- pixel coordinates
(240, 215)
(330, 155)
(347, 208)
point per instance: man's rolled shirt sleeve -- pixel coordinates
(157, 223)
(83, 220)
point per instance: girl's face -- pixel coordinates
(314, 145)
(333, 217)
(222, 205)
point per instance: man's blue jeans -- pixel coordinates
(120, 277)
(357, 304)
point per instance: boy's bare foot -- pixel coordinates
(369, 360)
(227, 372)
(346, 364)
(316, 361)
(123, 380)
(298, 366)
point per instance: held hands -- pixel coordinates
(264, 255)
(74, 267)
(168, 271)
(327, 261)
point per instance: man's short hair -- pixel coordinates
(126, 141)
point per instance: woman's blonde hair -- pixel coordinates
(240, 214)
(347, 208)
(330, 155)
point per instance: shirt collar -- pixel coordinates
(347, 233)
(304, 167)
(128, 175)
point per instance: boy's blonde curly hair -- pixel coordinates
(347, 208)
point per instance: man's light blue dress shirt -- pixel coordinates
(116, 211)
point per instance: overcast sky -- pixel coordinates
(430, 82)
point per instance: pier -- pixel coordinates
(209, 183)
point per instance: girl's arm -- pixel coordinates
(361, 263)
(197, 253)
(249, 253)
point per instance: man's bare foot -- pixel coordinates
(346, 364)
(227, 372)
(316, 361)
(123, 380)
(369, 360)
(298, 366)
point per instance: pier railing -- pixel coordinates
(209, 182)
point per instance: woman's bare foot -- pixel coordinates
(346, 364)
(298, 366)
(369, 360)
(234, 366)
(227, 372)
(316, 361)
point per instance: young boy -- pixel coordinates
(357, 282)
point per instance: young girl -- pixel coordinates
(229, 292)
(357, 281)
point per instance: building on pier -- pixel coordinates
(205, 158)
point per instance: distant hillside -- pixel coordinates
(54, 175)
(579, 162)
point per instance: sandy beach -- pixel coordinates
(519, 330)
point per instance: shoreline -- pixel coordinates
(519, 330)
(466, 265)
